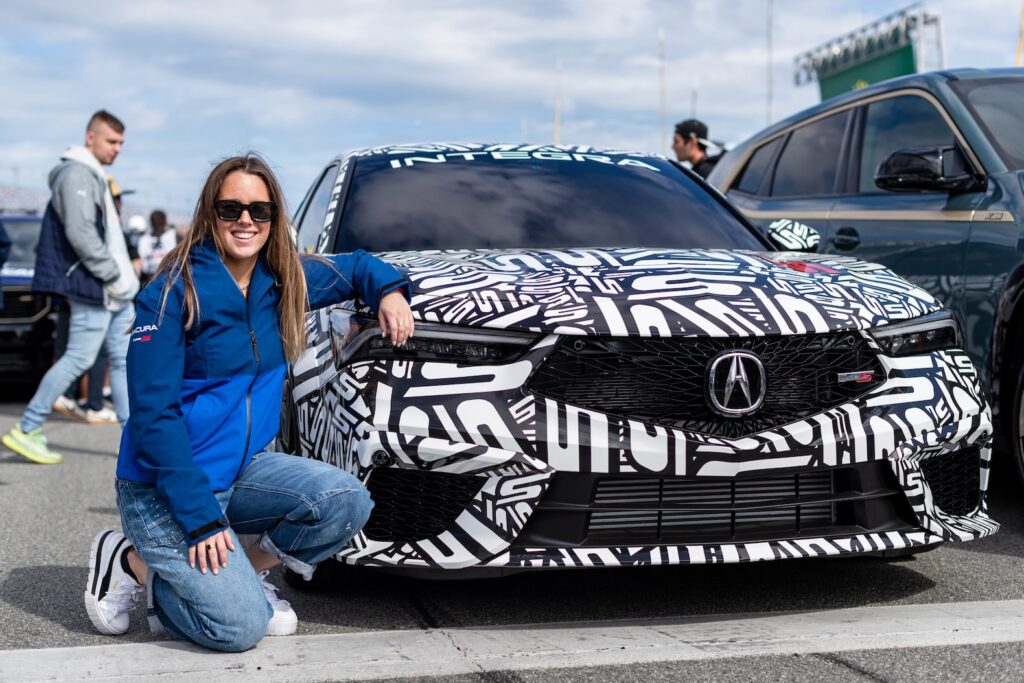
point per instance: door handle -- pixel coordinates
(845, 239)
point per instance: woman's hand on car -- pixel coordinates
(395, 318)
(212, 552)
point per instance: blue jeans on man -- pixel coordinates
(304, 511)
(95, 377)
(89, 328)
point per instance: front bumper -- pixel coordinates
(478, 424)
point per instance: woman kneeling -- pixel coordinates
(206, 365)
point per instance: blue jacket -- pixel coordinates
(205, 400)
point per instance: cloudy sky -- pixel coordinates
(303, 80)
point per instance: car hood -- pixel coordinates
(659, 292)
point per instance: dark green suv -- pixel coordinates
(924, 174)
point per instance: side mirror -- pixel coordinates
(936, 169)
(789, 235)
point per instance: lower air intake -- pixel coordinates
(410, 505)
(954, 480)
(580, 510)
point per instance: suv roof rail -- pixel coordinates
(10, 210)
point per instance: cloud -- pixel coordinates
(196, 81)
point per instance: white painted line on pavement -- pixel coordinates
(452, 651)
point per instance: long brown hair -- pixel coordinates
(280, 251)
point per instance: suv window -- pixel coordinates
(905, 121)
(807, 167)
(313, 219)
(998, 105)
(754, 177)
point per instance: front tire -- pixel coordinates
(288, 429)
(1017, 425)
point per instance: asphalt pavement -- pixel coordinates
(50, 515)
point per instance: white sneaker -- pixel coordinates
(284, 622)
(103, 416)
(69, 407)
(110, 592)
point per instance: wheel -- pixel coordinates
(287, 432)
(1017, 425)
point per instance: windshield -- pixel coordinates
(24, 234)
(998, 105)
(531, 199)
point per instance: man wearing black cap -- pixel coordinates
(690, 143)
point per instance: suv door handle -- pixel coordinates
(845, 239)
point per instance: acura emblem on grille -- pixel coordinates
(736, 383)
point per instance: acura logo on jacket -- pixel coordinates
(142, 333)
(736, 383)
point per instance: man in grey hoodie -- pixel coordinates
(82, 256)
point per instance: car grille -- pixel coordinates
(410, 505)
(23, 305)
(954, 480)
(587, 509)
(731, 508)
(663, 380)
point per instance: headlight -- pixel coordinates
(355, 338)
(928, 333)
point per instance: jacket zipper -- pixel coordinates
(248, 392)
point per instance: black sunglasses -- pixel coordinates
(230, 210)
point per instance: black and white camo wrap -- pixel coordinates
(794, 236)
(480, 420)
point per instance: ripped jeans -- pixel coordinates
(304, 511)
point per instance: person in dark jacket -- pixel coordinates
(690, 143)
(82, 257)
(206, 365)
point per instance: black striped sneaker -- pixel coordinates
(110, 592)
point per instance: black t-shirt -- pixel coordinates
(704, 166)
(133, 249)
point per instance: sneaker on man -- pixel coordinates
(284, 622)
(103, 416)
(110, 591)
(31, 445)
(69, 407)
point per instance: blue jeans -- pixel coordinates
(90, 326)
(304, 510)
(97, 374)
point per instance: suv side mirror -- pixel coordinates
(942, 169)
(789, 235)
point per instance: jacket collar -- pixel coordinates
(207, 261)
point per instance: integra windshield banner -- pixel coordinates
(531, 152)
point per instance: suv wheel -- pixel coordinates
(1017, 425)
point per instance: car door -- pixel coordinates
(923, 236)
(795, 175)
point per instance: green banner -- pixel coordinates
(898, 62)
